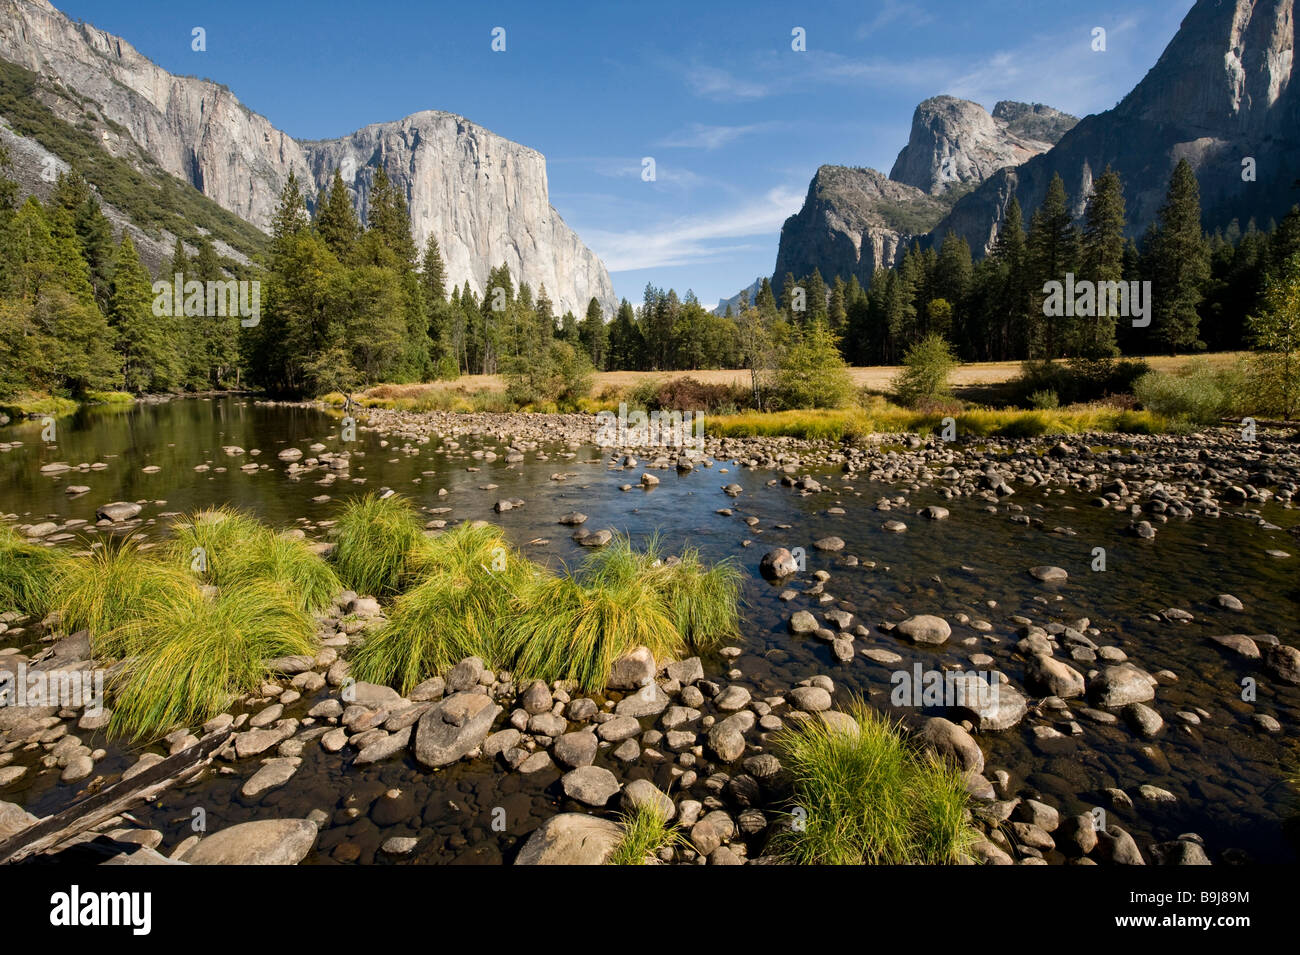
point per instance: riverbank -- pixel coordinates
(34, 405)
(900, 551)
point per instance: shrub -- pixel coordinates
(557, 372)
(1044, 400)
(1275, 333)
(689, 394)
(812, 374)
(1195, 395)
(871, 796)
(926, 369)
(1076, 381)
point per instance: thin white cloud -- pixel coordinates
(715, 83)
(893, 12)
(702, 136)
(692, 239)
(1059, 69)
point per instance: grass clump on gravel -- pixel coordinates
(869, 795)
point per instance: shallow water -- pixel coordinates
(1228, 776)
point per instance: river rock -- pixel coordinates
(991, 707)
(1283, 662)
(274, 772)
(262, 842)
(1120, 685)
(593, 785)
(1053, 677)
(1239, 644)
(1047, 573)
(643, 793)
(117, 511)
(576, 749)
(453, 727)
(925, 628)
(571, 838)
(633, 669)
(803, 622)
(1143, 719)
(953, 742)
(812, 699)
(778, 564)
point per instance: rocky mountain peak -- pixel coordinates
(484, 197)
(956, 143)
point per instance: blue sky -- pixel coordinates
(736, 121)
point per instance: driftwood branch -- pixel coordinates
(87, 813)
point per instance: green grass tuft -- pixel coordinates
(105, 592)
(28, 573)
(381, 545)
(471, 577)
(478, 597)
(871, 797)
(645, 832)
(237, 549)
(191, 658)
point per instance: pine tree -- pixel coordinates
(433, 272)
(816, 287)
(1102, 258)
(1011, 311)
(787, 297)
(593, 334)
(290, 217)
(1052, 250)
(151, 358)
(764, 300)
(94, 231)
(1178, 263)
(336, 220)
(837, 311)
(388, 220)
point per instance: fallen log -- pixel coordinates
(52, 831)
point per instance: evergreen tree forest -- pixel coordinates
(346, 304)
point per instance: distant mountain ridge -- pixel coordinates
(484, 197)
(1221, 95)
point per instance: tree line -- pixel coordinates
(347, 304)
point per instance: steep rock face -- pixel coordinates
(853, 222)
(1220, 93)
(483, 196)
(954, 141)
(194, 129)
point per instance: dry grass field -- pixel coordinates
(876, 378)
